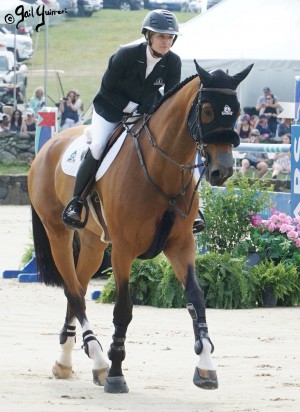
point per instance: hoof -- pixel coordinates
(115, 384)
(61, 371)
(205, 379)
(99, 376)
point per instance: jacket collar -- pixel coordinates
(142, 62)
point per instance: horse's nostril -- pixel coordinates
(215, 174)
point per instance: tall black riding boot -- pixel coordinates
(199, 223)
(84, 180)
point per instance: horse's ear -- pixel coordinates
(205, 77)
(242, 75)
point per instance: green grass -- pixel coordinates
(81, 48)
(13, 168)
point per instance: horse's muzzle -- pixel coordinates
(218, 176)
(218, 171)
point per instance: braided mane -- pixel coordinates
(173, 91)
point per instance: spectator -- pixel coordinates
(4, 122)
(16, 121)
(261, 101)
(29, 122)
(271, 109)
(282, 161)
(244, 128)
(254, 120)
(284, 127)
(69, 111)
(37, 102)
(78, 103)
(263, 127)
(1, 122)
(255, 136)
(259, 160)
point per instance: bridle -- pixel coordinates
(193, 119)
(195, 130)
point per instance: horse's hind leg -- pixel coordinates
(62, 369)
(76, 282)
(182, 261)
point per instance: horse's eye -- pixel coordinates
(207, 111)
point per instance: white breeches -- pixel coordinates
(101, 130)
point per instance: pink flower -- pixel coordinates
(297, 242)
(271, 227)
(292, 234)
(273, 218)
(275, 212)
(256, 220)
(284, 228)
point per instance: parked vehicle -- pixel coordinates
(85, 8)
(70, 6)
(11, 78)
(3, 45)
(24, 44)
(171, 5)
(123, 4)
(97, 5)
(197, 6)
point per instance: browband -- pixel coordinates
(218, 90)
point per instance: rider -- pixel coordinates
(130, 84)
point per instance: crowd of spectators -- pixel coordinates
(70, 111)
(266, 126)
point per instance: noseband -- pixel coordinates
(194, 124)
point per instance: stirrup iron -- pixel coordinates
(72, 223)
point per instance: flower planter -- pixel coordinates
(269, 297)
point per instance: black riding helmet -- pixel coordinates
(160, 21)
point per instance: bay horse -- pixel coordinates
(148, 199)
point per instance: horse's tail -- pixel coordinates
(47, 269)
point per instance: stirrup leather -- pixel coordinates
(68, 221)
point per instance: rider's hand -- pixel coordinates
(130, 107)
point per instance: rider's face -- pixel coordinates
(161, 43)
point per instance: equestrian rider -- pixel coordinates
(130, 84)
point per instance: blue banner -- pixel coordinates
(297, 100)
(295, 171)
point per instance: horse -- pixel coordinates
(144, 204)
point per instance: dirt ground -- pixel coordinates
(257, 352)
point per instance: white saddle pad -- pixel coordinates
(75, 151)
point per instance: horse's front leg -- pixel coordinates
(115, 381)
(182, 259)
(90, 257)
(205, 375)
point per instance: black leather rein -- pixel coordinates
(171, 199)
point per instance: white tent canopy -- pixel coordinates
(236, 33)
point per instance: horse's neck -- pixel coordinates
(168, 125)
